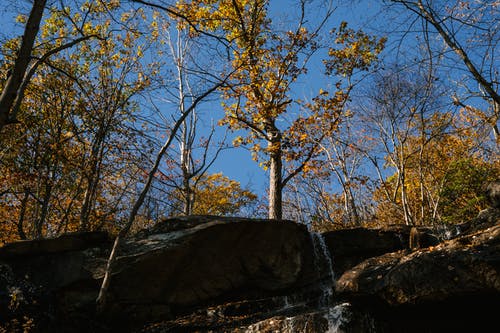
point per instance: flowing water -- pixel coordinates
(324, 265)
(298, 314)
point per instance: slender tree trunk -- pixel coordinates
(185, 150)
(421, 177)
(22, 214)
(43, 214)
(187, 130)
(188, 197)
(496, 131)
(404, 201)
(88, 201)
(275, 180)
(350, 206)
(93, 176)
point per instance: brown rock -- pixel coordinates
(463, 266)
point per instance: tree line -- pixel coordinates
(107, 116)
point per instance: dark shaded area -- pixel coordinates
(228, 274)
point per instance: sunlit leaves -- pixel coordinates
(216, 194)
(73, 121)
(352, 50)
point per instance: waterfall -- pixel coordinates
(311, 311)
(336, 316)
(324, 265)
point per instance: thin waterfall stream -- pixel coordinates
(324, 265)
(333, 313)
(324, 314)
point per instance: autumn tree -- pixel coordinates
(398, 109)
(119, 75)
(29, 56)
(451, 171)
(421, 143)
(267, 62)
(75, 117)
(34, 165)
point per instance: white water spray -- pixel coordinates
(324, 264)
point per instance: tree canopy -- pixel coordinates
(117, 113)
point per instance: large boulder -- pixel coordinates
(461, 266)
(160, 273)
(349, 247)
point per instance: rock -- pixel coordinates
(463, 266)
(319, 321)
(167, 273)
(492, 192)
(160, 275)
(452, 287)
(349, 247)
(201, 274)
(37, 271)
(485, 219)
(64, 243)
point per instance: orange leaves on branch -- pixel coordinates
(216, 194)
(354, 50)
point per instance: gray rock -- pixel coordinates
(492, 192)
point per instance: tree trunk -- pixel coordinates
(350, 207)
(404, 201)
(496, 115)
(93, 175)
(188, 198)
(275, 180)
(38, 228)
(20, 221)
(88, 202)
(14, 81)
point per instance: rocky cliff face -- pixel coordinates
(201, 274)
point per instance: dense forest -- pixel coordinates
(112, 113)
